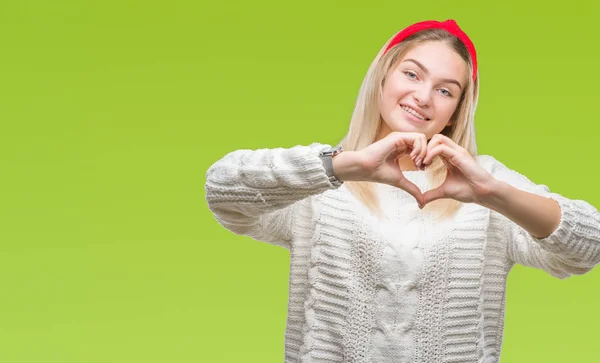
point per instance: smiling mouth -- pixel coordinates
(414, 113)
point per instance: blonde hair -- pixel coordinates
(366, 118)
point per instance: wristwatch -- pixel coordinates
(327, 159)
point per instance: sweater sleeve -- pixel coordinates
(256, 192)
(574, 246)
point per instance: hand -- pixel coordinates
(378, 162)
(465, 181)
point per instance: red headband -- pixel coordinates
(449, 25)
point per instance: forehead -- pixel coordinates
(439, 58)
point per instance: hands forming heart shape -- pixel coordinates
(465, 181)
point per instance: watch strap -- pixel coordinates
(327, 159)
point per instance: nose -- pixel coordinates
(422, 96)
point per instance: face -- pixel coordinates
(423, 90)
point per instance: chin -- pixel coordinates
(411, 126)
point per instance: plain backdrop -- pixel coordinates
(112, 111)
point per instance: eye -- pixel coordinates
(445, 92)
(411, 75)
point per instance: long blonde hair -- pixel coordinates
(366, 118)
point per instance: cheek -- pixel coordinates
(393, 86)
(389, 96)
(449, 108)
(387, 91)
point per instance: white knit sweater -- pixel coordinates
(404, 288)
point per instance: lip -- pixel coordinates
(413, 117)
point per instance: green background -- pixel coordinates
(112, 111)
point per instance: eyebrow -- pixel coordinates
(426, 71)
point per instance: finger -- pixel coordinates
(423, 152)
(435, 141)
(418, 146)
(416, 149)
(395, 144)
(411, 189)
(433, 194)
(399, 142)
(441, 139)
(442, 150)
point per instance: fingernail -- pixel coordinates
(418, 163)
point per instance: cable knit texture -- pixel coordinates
(404, 288)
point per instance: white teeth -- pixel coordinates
(413, 112)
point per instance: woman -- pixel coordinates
(401, 239)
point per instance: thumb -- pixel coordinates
(432, 195)
(412, 189)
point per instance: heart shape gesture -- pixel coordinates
(465, 181)
(378, 162)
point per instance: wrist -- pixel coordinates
(495, 195)
(345, 166)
